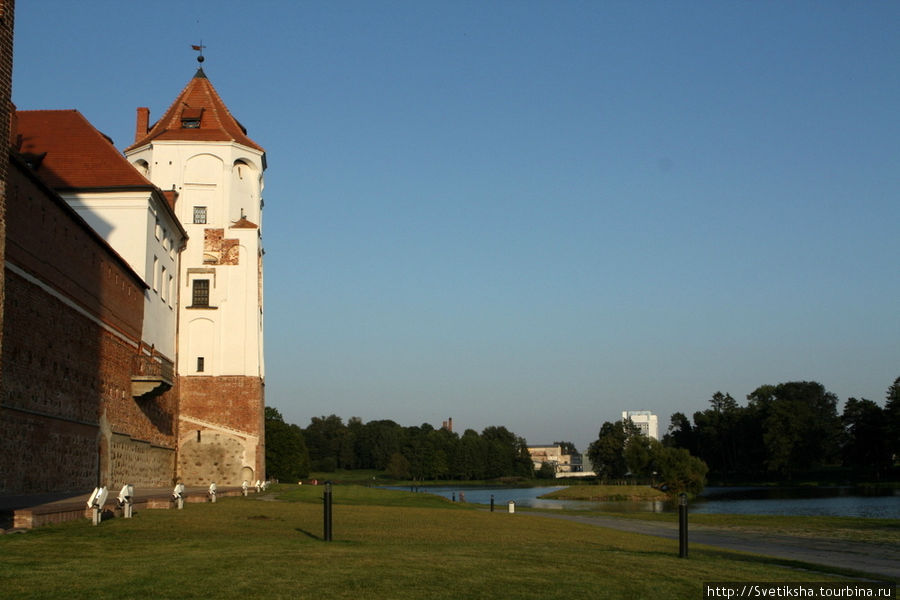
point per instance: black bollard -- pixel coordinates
(682, 526)
(492, 503)
(454, 496)
(327, 503)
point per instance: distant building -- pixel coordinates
(646, 421)
(562, 463)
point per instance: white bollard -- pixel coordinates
(96, 502)
(178, 496)
(512, 506)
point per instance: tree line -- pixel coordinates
(623, 451)
(418, 453)
(790, 429)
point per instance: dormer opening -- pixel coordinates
(190, 117)
(142, 166)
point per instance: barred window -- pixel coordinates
(200, 368)
(199, 214)
(200, 296)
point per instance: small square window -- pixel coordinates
(200, 214)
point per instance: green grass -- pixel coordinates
(386, 545)
(608, 493)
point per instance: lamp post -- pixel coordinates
(682, 526)
(326, 498)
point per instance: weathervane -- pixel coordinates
(199, 49)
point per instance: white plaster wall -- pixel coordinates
(226, 178)
(128, 223)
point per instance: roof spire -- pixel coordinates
(200, 59)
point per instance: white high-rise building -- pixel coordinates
(646, 421)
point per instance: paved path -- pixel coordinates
(877, 559)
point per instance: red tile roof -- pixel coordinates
(76, 155)
(244, 223)
(197, 114)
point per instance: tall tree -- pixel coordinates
(287, 458)
(801, 428)
(719, 434)
(892, 418)
(326, 438)
(607, 452)
(865, 446)
(680, 433)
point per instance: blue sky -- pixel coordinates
(536, 214)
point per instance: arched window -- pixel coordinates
(142, 167)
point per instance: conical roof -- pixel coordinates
(197, 114)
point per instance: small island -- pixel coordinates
(608, 493)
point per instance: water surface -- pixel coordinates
(832, 502)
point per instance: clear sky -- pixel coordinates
(536, 214)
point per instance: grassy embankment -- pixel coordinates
(641, 493)
(386, 545)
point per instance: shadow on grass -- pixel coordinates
(309, 534)
(787, 563)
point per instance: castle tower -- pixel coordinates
(202, 154)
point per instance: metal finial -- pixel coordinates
(199, 49)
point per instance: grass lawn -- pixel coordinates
(386, 545)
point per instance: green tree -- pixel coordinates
(680, 433)
(330, 443)
(866, 447)
(380, 441)
(892, 419)
(398, 467)
(470, 458)
(678, 471)
(287, 458)
(547, 471)
(720, 435)
(641, 453)
(566, 447)
(801, 428)
(607, 452)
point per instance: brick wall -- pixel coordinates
(140, 463)
(234, 403)
(67, 454)
(73, 317)
(6, 66)
(48, 239)
(215, 456)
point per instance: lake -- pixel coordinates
(834, 502)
